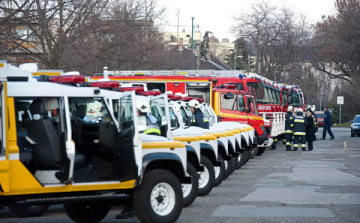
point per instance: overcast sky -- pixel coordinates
(217, 16)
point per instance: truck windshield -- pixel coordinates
(284, 97)
(278, 96)
(269, 95)
(259, 92)
(296, 99)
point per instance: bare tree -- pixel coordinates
(43, 29)
(337, 46)
(278, 35)
(83, 35)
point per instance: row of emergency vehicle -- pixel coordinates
(65, 141)
(257, 101)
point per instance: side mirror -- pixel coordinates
(351, 121)
(229, 96)
(290, 100)
(142, 123)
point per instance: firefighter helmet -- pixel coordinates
(143, 105)
(194, 103)
(290, 108)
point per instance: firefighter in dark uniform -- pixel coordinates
(198, 118)
(152, 128)
(289, 125)
(300, 124)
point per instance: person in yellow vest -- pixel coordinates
(300, 124)
(289, 127)
(143, 109)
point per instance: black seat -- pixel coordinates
(45, 140)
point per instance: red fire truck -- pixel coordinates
(202, 87)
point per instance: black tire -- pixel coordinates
(229, 168)
(221, 172)
(234, 164)
(152, 182)
(87, 212)
(207, 178)
(352, 134)
(190, 190)
(245, 157)
(28, 211)
(238, 161)
(254, 151)
(261, 150)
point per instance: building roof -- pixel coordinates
(181, 60)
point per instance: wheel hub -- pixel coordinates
(162, 199)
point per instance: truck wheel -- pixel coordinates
(87, 212)
(238, 161)
(206, 178)
(190, 190)
(158, 198)
(28, 211)
(219, 171)
(254, 151)
(261, 150)
(245, 157)
(228, 168)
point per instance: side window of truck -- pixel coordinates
(241, 103)
(229, 104)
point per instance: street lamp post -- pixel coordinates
(192, 43)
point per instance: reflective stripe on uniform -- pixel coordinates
(303, 145)
(284, 140)
(288, 143)
(206, 120)
(275, 140)
(297, 120)
(296, 145)
(288, 131)
(299, 133)
(291, 125)
(152, 130)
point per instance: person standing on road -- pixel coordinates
(327, 124)
(198, 118)
(310, 129)
(289, 125)
(300, 124)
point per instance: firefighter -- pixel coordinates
(300, 124)
(143, 109)
(198, 118)
(289, 125)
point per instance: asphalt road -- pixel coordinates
(318, 186)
